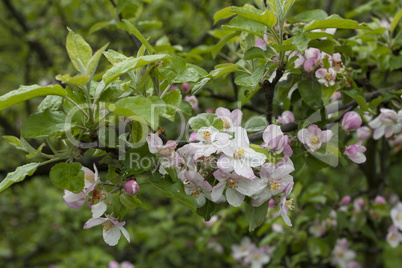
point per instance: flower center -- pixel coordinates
(195, 193)
(90, 178)
(226, 125)
(166, 152)
(315, 140)
(240, 153)
(399, 217)
(392, 237)
(340, 254)
(233, 183)
(206, 135)
(243, 248)
(275, 185)
(328, 77)
(107, 225)
(256, 256)
(289, 204)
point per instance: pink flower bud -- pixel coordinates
(379, 200)
(336, 96)
(271, 203)
(173, 88)
(363, 133)
(351, 121)
(346, 200)
(355, 152)
(286, 117)
(185, 86)
(131, 187)
(209, 111)
(114, 264)
(194, 136)
(359, 204)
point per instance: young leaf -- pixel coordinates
(206, 120)
(68, 176)
(243, 24)
(131, 202)
(18, 175)
(335, 21)
(79, 51)
(199, 85)
(93, 63)
(133, 30)
(310, 15)
(172, 100)
(223, 14)
(311, 93)
(28, 92)
(265, 17)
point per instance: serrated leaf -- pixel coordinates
(18, 175)
(114, 57)
(68, 176)
(51, 102)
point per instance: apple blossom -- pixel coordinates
(275, 179)
(318, 229)
(396, 215)
(387, 123)
(286, 117)
(300, 58)
(257, 257)
(197, 187)
(276, 227)
(131, 187)
(337, 64)
(351, 121)
(209, 111)
(394, 237)
(355, 152)
(314, 137)
(185, 86)
(276, 140)
(230, 120)
(312, 59)
(193, 102)
(336, 96)
(396, 143)
(359, 204)
(326, 77)
(112, 229)
(342, 255)
(166, 152)
(346, 200)
(242, 250)
(286, 205)
(379, 200)
(363, 133)
(239, 157)
(211, 141)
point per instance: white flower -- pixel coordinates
(257, 257)
(197, 187)
(286, 205)
(167, 154)
(396, 215)
(230, 120)
(242, 250)
(326, 77)
(394, 237)
(386, 124)
(314, 137)
(112, 229)
(342, 255)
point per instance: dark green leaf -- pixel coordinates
(68, 176)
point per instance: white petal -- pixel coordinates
(112, 236)
(234, 198)
(125, 233)
(98, 209)
(94, 222)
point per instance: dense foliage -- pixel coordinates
(201, 133)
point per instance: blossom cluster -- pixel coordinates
(250, 255)
(394, 236)
(343, 256)
(222, 166)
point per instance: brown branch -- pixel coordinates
(269, 89)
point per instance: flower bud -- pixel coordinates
(185, 86)
(379, 200)
(286, 117)
(271, 203)
(209, 111)
(346, 200)
(131, 187)
(351, 121)
(363, 133)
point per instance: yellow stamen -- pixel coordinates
(399, 217)
(256, 256)
(328, 77)
(240, 153)
(289, 204)
(195, 193)
(225, 124)
(275, 185)
(107, 225)
(233, 183)
(206, 135)
(89, 178)
(315, 140)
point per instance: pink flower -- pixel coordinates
(396, 215)
(286, 117)
(114, 264)
(286, 205)
(131, 187)
(112, 229)
(387, 123)
(346, 200)
(351, 121)
(337, 95)
(173, 88)
(261, 43)
(314, 137)
(363, 133)
(193, 102)
(185, 86)
(379, 200)
(197, 187)
(300, 58)
(276, 140)
(355, 152)
(312, 56)
(166, 152)
(193, 136)
(209, 111)
(230, 120)
(359, 204)
(326, 77)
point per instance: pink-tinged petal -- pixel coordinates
(114, 264)
(326, 135)
(285, 217)
(351, 150)
(261, 43)
(320, 73)
(73, 200)
(200, 200)
(98, 209)
(287, 151)
(222, 112)
(94, 222)
(250, 187)
(388, 131)
(126, 264)
(234, 198)
(244, 171)
(314, 130)
(193, 136)
(112, 236)
(154, 143)
(379, 132)
(171, 144)
(241, 139)
(236, 117)
(125, 233)
(359, 158)
(225, 164)
(217, 191)
(309, 65)
(303, 135)
(115, 222)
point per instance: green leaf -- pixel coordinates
(138, 160)
(81, 79)
(130, 201)
(327, 93)
(93, 63)
(255, 215)
(358, 97)
(130, 64)
(311, 93)
(206, 120)
(301, 41)
(172, 100)
(133, 30)
(310, 15)
(114, 57)
(139, 108)
(265, 17)
(51, 102)
(207, 210)
(173, 190)
(118, 208)
(186, 108)
(79, 51)
(199, 85)
(326, 46)
(215, 50)
(190, 75)
(395, 20)
(227, 68)
(68, 176)
(252, 80)
(18, 175)
(28, 92)
(223, 14)
(253, 53)
(243, 24)
(335, 21)
(45, 124)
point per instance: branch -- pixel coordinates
(269, 89)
